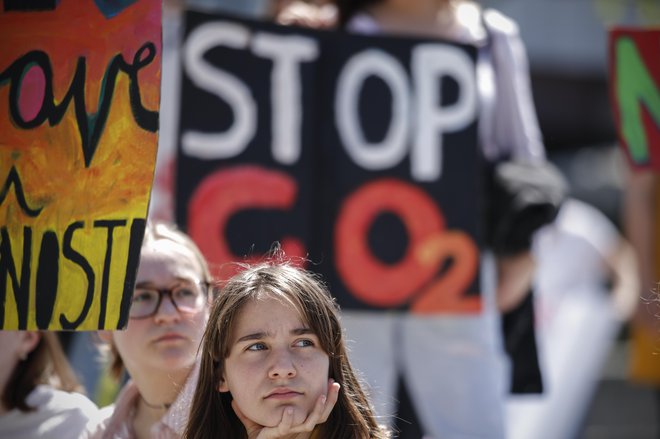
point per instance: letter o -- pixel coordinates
(393, 148)
(367, 278)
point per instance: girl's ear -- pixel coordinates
(29, 341)
(222, 386)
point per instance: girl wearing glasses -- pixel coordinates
(274, 363)
(158, 349)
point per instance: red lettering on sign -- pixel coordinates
(226, 192)
(369, 279)
(430, 246)
(446, 294)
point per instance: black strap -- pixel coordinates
(520, 345)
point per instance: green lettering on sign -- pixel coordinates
(634, 87)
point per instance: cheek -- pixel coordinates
(198, 323)
(120, 338)
(317, 369)
(129, 338)
(240, 376)
(242, 384)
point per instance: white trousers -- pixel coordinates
(453, 366)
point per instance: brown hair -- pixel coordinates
(211, 414)
(157, 231)
(45, 364)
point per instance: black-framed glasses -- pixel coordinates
(187, 297)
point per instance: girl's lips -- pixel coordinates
(169, 337)
(283, 394)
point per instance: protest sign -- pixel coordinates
(357, 152)
(79, 97)
(634, 67)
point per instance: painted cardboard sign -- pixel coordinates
(634, 67)
(357, 152)
(79, 100)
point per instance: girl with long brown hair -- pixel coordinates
(274, 363)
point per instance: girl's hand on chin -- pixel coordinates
(286, 428)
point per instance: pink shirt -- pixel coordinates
(117, 420)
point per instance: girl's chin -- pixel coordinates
(174, 361)
(299, 416)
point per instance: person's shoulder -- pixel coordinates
(51, 399)
(67, 414)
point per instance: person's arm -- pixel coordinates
(640, 225)
(514, 279)
(515, 134)
(623, 266)
(515, 129)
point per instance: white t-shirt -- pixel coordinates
(57, 415)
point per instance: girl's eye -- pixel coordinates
(304, 343)
(144, 296)
(185, 292)
(256, 347)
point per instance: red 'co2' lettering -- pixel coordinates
(387, 285)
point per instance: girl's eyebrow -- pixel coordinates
(262, 334)
(302, 331)
(178, 281)
(250, 337)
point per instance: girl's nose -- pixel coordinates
(282, 366)
(166, 311)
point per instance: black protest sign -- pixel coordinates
(245, 166)
(358, 152)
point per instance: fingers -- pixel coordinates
(333, 397)
(320, 414)
(322, 409)
(287, 420)
(280, 430)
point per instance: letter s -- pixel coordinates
(226, 86)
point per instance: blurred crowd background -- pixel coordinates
(566, 41)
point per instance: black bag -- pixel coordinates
(522, 197)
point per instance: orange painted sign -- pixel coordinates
(79, 99)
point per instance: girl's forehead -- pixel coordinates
(163, 258)
(265, 302)
(278, 298)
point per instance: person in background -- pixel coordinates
(39, 389)
(586, 288)
(460, 357)
(635, 100)
(159, 347)
(641, 223)
(274, 363)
